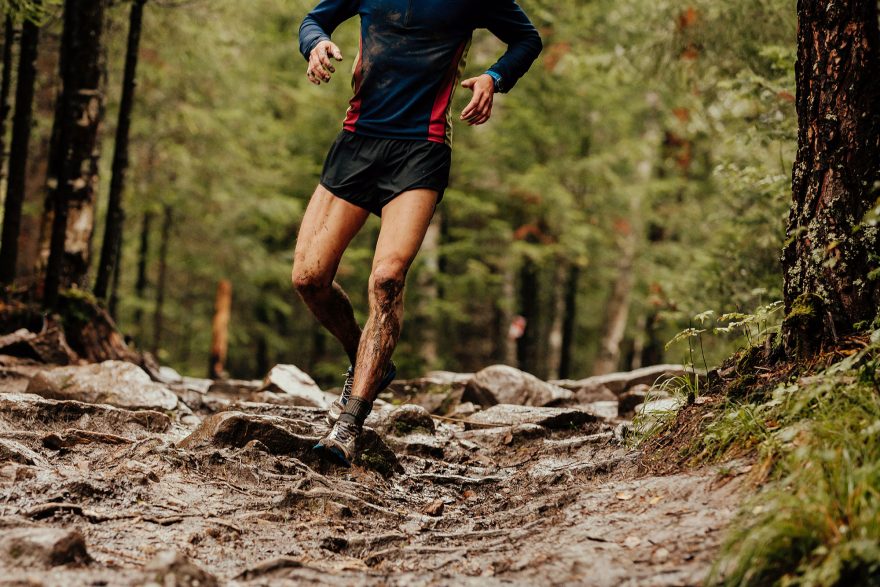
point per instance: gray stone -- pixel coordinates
(660, 406)
(116, 383)
(617, 383)
(290, 381)
(25, 410)
(603, 409)
(513, 415)
(42, 547)
(505, 385)
(506, 436)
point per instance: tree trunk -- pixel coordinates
(569, 321)
(829, 253)
(115, 212)
(113, 302)
(428, 294)
(158, 317)
(617, 308)
(75, 156)
(527, 345)
(18, 155)
(140, 286)
(220, 330)
(5, 88)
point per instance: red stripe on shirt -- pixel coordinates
(437, 127)
(354, 108)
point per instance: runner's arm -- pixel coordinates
(320, 23)
(507, 21)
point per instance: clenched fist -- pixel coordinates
(320, 66)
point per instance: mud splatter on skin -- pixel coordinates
(332, 307)
(380, 336)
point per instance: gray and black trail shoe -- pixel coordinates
(340, 442)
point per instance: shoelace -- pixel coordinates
(346, 388)
(343, 432)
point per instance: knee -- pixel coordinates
(307, 283)
(387, 279)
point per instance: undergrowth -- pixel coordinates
(816, 519)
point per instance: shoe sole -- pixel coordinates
(335, 454)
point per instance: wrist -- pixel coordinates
(497, 80)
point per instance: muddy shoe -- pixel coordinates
(339, 444)
(337, 407)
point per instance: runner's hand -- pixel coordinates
(479, 109)
(320, 66)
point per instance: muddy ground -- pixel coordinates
(223, 490)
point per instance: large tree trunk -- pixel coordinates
(554, 335)
(429, 294)
(6, 87)
(75, 153)
(115, 213)
(18, 156)
(828, 254)
(527, 351)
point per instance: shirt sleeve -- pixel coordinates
(320, 23)
(507, 21)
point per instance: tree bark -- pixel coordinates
(554, 335)
(220, 330)
(829, 253)
(18, 155)
(75, 154)
(569, 321)
(140, 286)
(158, 317)
(115, 211)
(527, 345)
(6, 88)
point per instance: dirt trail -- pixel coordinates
(548, 496)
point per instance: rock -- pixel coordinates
(407, 419)
(506, 385)
(42, 547)
(290, 381)
(513, 436)
(284, 436)
(617, 383)
(439, 392)
(659, 406)
(635, 397)
(235, 388)
(418, 444)
(116, 383)
(551, 418)
(464, 410)
(173, 569)
(30, 411)
(197, 385)
(604, 409)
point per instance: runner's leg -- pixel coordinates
(327, 228)
(405, 220)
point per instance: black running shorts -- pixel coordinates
(370, 172)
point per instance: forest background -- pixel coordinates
(638, 176)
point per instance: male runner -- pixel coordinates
(392, 158)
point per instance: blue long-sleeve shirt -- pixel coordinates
(412, 53)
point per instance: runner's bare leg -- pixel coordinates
(404, 222)
(327, 228)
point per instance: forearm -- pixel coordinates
(310, 34)
(507, 21)
(320, 23)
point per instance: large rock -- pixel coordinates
(48, 346)
(295, 384)
(407, 419)
(27, 411)
(116, 383)
(501, 384)
(42, 547)
(284, 436)
(439, 392)
(618, 383)
(513, 415)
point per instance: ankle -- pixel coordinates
(356, 411)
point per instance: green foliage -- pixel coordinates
(817, 522)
